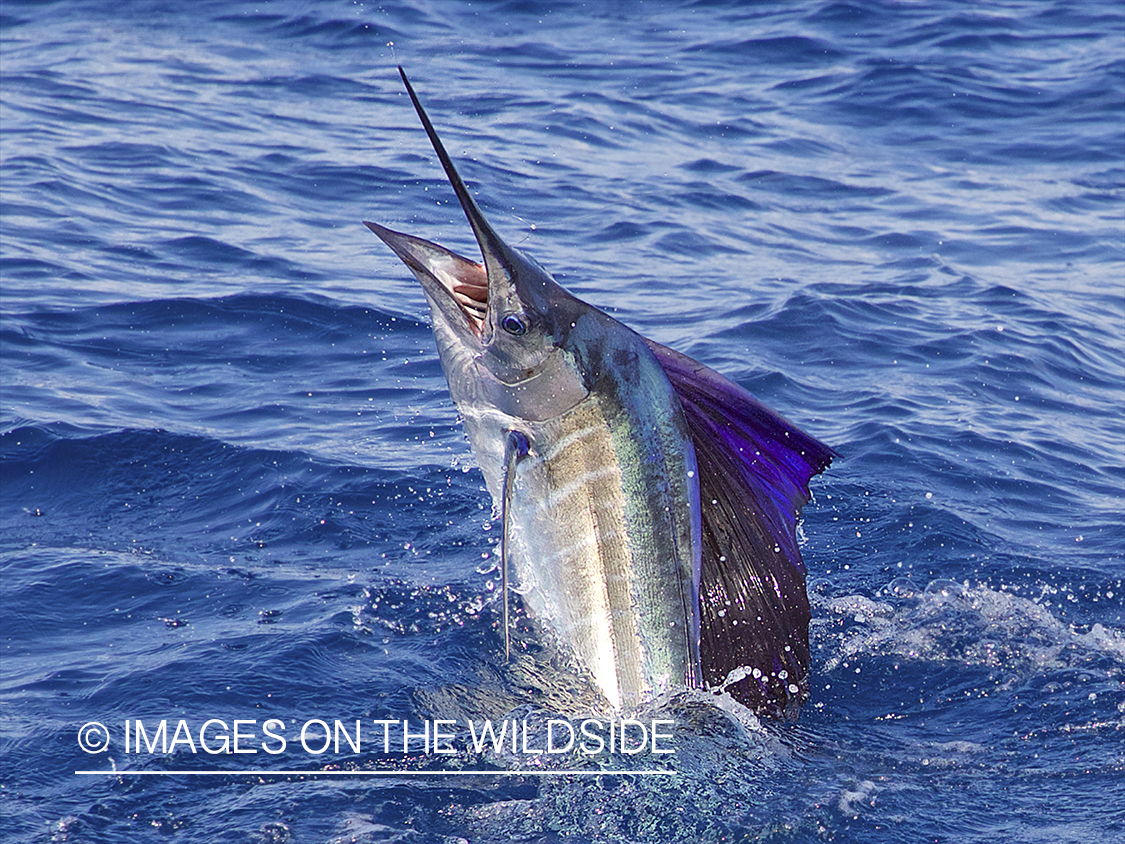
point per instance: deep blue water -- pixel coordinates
(233, 485)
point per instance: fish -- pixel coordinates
(648, 505)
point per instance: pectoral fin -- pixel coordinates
(515, 447)
(754, 470)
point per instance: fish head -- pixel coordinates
(512, 317)
(505, 318)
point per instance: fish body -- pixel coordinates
(587, 435)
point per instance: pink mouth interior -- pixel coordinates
(470, 291)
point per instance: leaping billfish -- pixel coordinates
(648, 505)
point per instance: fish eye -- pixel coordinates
(513, 325)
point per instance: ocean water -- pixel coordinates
(232, 484)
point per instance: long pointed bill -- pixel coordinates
(499, 261)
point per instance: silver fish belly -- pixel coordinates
(604, 533)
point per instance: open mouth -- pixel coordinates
(470, 294)
(464, 281)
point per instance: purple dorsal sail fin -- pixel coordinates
(754, 472)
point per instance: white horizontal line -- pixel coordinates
(424, 773)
